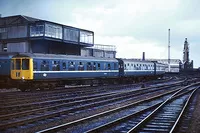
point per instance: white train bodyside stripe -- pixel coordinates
(73, 71)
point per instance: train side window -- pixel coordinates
(80, 66)
(89, 66)
(25, 64)
(58, 66)
(109, 66)
(18, 64)
(94, 66)
(55, 65)
(71, 65)
(64, 65)
(99, 66)
(44, 66)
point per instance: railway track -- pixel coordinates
(166, 117)
(57, 99)
(36, 115)
(78, 89)
(80, 97)
(130, 117)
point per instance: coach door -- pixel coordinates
(121, 67)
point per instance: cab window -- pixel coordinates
(18, 64)
(25, 64)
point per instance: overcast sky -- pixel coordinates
(133, 26)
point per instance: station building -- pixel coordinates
(26, 34)
(100, 50)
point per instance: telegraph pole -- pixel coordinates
(169, 50)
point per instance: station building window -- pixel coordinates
(54, 31)
(3, 33)
(71, 34)
(36, 30)
(86, 37)
(4, 47)
(2, 30)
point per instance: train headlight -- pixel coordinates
(22, 77)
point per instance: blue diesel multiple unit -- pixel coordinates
(49, 70)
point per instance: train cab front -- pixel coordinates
(22, 69)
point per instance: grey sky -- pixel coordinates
(133, 26)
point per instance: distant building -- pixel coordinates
(26, 34)
(187, 65)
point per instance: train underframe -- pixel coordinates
(6, 82)
(31, 85)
